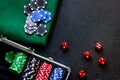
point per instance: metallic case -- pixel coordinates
(32, 52)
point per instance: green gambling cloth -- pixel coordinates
(12, 21)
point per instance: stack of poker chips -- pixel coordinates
(57, 74)
(44, 71)
(31, 70)
(35, 68)
(35, 16)
(18, 63)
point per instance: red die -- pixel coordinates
(82, 74)
(98, 46)
(65, 45)
(102, 61)
(87, 54)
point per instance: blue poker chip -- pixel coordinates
(47, 17)
(57, 74)
(41, 30)
(43, 12)
(36, 16)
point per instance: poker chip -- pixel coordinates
(36, 16)
(18, 63)
(44, 71)
(48, 17)
(57, 74)
(41, 30)
(42, 11)
(29, 30)
(31, 27)
(31, 70)
(27, 10)
(9, 56)
(45, 15)
(33, 1)
(33, 5)
(41, 4)
(30, 23)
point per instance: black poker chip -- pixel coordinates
(42, 30)
(31, 70)
(33, 5)
(41, 4)
(27, 10)
(33, 0)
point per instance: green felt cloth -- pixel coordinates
(12, 20)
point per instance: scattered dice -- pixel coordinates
(87, 54)
(82, 74)
(98, 46)
(65, 45)
(102, 61)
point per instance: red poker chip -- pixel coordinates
(44, 71)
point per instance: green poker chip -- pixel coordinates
(18, 63)
(9, 56)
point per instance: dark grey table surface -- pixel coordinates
(81, 23)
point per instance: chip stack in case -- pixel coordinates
(44, 71)
(31, 70)
(57, 74)
(18, 63)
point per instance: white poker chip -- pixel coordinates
(29, 31)
(29, 22)
(31, 27)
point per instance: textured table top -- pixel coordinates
(82, 23)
